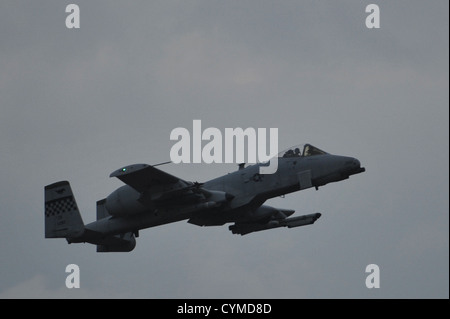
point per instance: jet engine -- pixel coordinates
(124, 202)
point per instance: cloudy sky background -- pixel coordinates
(78, 104)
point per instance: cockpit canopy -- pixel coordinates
(302, 150)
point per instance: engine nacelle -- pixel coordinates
(127, 244)
(124, 201)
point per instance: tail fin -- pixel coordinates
(62, 218)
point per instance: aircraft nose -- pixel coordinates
(354, 166)
(356, 163)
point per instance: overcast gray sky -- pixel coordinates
(78, 104)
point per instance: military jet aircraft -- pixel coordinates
(152, 197)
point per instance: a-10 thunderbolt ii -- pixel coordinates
(152, 197)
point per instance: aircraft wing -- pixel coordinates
(142, 177)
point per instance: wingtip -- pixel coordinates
(128, 170)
